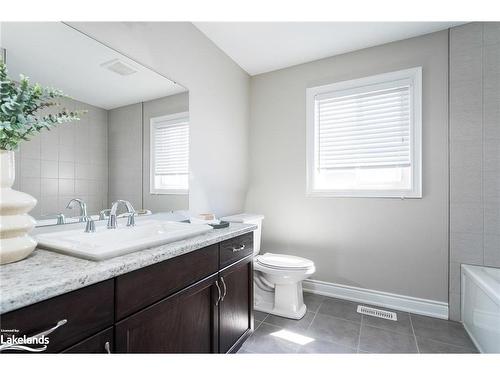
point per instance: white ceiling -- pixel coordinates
(54, 54)
(260, 47)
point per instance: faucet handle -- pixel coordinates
(61, 219)
(90, 225)
(111, 221)
(131, 219)
(103, 214)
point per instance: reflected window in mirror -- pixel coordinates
(170, 154)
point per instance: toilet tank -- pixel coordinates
(249, 219)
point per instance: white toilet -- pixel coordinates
(277, 277)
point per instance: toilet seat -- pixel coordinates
(278, 284)
(284, 262)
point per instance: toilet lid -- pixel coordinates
(284, 261)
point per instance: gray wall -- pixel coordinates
(391, 245)
(129, 140)
(474, 151)
(218, 101)
(125, 154)
(69, 161)
(154, 108)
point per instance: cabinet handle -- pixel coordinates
(236, 249)
(50, 330)
(43, 333)
(107, 347)
(218, 290)
(225, 288)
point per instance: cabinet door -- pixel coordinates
(99, 343)
(185, 322)
(236, 306)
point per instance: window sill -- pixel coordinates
(363, 194)
(169, 192)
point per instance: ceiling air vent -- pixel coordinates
(119, 67)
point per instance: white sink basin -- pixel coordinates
(108, 243)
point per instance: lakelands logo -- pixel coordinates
(8, 341)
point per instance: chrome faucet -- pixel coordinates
(83, 208)
(112, 214)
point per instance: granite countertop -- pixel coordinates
(45, 274)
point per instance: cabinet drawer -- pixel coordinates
(86, 311)
(101, 342)
(148, 285)
(235, 248)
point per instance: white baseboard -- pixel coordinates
(420, 306)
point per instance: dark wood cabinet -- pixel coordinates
(185, 322)
(141, 288)
(199, 302)
(102, 342)
(234, 249)
(70, 317)
(236, 305)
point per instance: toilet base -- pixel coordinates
(268, 308)
(286, 301)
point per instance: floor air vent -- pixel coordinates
(377, 313)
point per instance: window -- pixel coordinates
(170, 154)
(364, 137)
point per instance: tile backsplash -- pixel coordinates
(68, 161)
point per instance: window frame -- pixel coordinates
(152, 122)
(414, 76)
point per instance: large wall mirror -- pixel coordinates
(131, 144)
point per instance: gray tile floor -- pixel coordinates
(333, 326)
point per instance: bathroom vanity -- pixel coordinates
(190, 296)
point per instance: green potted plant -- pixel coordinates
(20, 119)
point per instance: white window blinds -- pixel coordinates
(364, 136)
(364, 129)
(171, 149)
(169, 153)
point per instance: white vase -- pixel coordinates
(15, 223)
